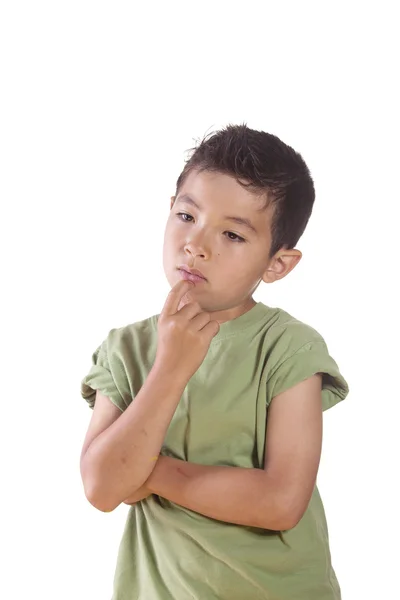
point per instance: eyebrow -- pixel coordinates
(239, 220)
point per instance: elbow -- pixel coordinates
(287, 514)
(289, 521)
(94, 490)
(292, 515)
(103, 506)
(294, 508)
(282, 521)
(97, 498)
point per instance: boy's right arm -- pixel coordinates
(119, 450)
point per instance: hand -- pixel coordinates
(184, 336)
(140, 494)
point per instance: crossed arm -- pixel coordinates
(275, 497)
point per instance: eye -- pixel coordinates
(181, 214)
(236, 238)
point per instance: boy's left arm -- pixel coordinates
(275, 497)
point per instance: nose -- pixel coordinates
(196, 247)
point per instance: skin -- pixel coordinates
(206, 241)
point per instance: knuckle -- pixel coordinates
(173, 324)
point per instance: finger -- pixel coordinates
(186, 299)
(199, 321)
(190, 310)
(211, 329)
(175, 295)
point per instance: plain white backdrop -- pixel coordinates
(99, 102)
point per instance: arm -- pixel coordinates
(141, 494)
(120, 449)
(119, 455)
(275, 497)
(229, 494)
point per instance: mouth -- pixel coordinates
(191, 274)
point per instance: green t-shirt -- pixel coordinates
(168, 552)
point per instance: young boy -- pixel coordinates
(207, 418)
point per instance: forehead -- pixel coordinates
(220, 191)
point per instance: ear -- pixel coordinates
(172, 201)
(281, 264)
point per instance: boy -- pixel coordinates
(208, 417)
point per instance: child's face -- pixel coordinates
(209, 242)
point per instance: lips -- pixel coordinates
(194, 272)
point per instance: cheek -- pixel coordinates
(166, 245)
(175, 237)
(171, 242)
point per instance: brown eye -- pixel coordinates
(180, 215)
(237, 237)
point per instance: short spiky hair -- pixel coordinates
(266, 166)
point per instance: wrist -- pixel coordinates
(171, 379)
(160, 473)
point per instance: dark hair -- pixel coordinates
(266, 166)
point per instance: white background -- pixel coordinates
(99, 102)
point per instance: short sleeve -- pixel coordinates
(100, 378)
(310, 359)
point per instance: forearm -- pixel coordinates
(140, 494)
(231, 494)
(121, 458)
